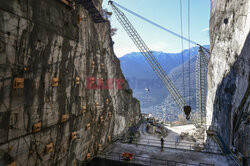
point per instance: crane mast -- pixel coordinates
(201, 64)
(143, 48)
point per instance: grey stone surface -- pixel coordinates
(228, 72)
(41, 40)
(154, 155)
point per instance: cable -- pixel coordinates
(182, 48)
(148, 55)
(159, 26)
(12, 37)
(189, 56)
(17, 67)
(39, 23)
(31, 133)
(153, 23)
(133, 34)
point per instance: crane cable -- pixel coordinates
(152, 61)
(159, 26)
(182, 47)
(153, 23)
(189, 56)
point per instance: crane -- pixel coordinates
(143, 48)
(201, 64)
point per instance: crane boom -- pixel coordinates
(131, 31)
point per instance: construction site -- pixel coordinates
(64, 99)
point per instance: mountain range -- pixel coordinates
(146, 86)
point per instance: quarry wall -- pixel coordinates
(56, 107)
(228, 72)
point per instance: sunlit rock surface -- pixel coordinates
(228, 72)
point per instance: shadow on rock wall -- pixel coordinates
(229, 114)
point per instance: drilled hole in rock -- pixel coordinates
(8, 33)
(225, 20)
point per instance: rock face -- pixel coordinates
(49, 114)
(228, 72)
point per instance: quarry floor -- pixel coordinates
(173, 132)
(152, 154)
(145, 153)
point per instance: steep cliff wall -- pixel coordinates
(228, 72)
(55, 119)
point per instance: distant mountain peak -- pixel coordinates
(136, 69)
(161, 53)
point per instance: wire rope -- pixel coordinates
(182, 47)
(189, 55)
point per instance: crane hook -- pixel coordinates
(187, 111)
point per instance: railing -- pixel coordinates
(182, 145)
(148, 161)
(115, 138)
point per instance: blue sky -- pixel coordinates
(167, 14)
